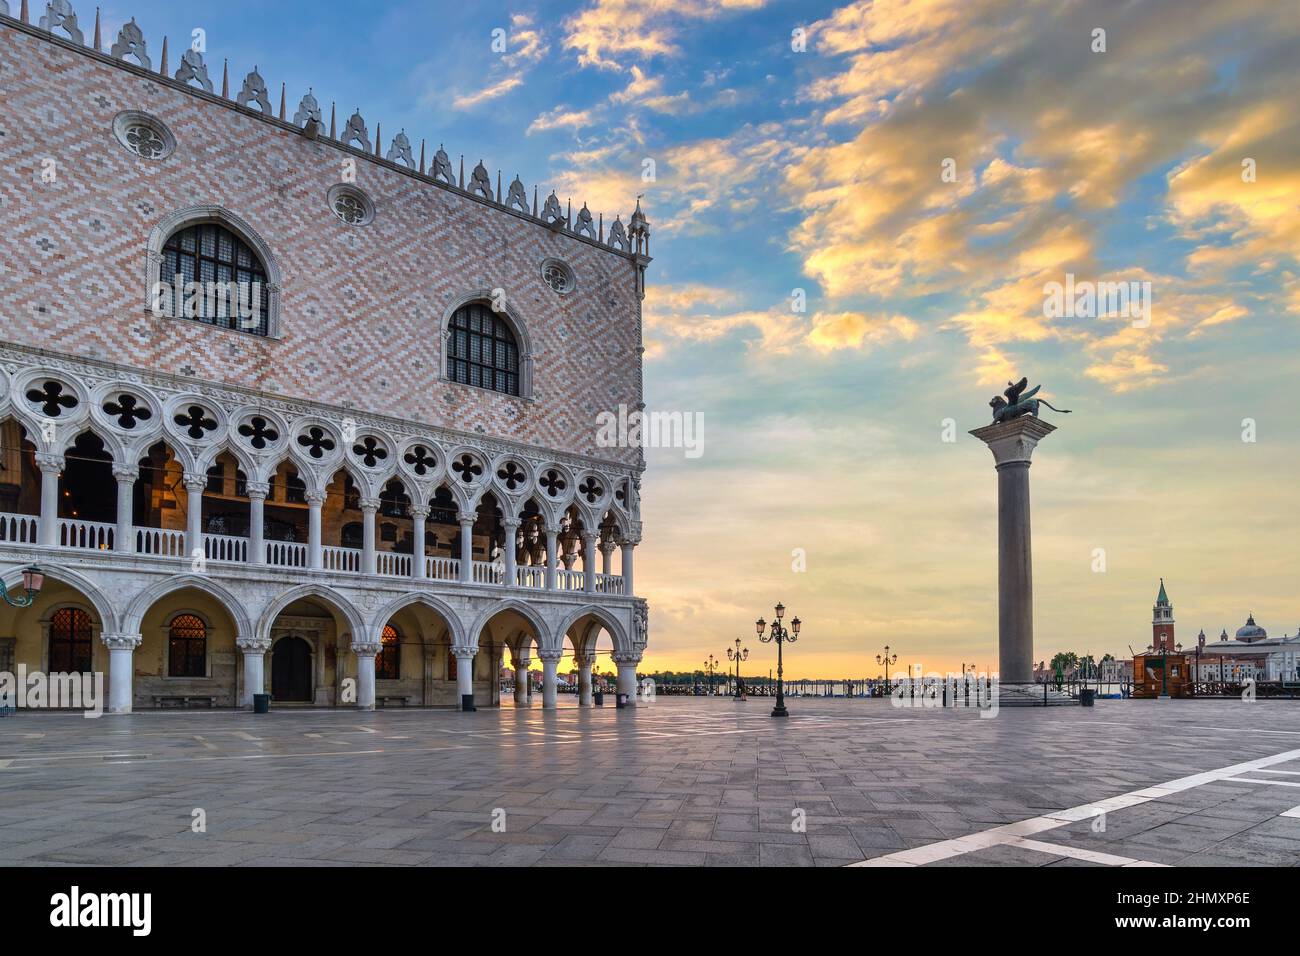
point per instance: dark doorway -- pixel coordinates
(291, 670)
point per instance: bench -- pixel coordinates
(162, 701)
(390, 701)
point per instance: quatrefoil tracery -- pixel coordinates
(52, 399)
(370, 450)
(511, 475)
(590, 489)
(553, 483)
(128, 410)
(420, 460)
(316, 442)
(259, 432)
(196, 421)
(467, 468)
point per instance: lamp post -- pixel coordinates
(1164, 667)
(711, 668)
(886, 660)
(781, 635)
(738, 655)
(33, 579)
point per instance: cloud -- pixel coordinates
(525, 47)
(562, 117)
(612, 33)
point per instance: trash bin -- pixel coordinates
(467, 702)
(598, 698)
(621, 701)
(261, 703)
(1086, 695)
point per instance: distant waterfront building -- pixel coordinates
(1251, 654)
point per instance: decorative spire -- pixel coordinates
(163, 66)
(1162, 600)
(534, 201)
(22, 13)
(379, 135)
(462, 170)
(282, 110)
(225, 79)
(332, 127)
(421, 156)
(99, 42)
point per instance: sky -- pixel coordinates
(856, 209)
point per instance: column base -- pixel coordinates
(780, 711)
(1030, 694)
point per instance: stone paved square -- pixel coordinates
(678, 782)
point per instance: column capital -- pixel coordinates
(369, 504)
(584, 660)
(588, 537)
(315, 497)
(366, 649)
(253, 645)
(121, 642)
(49, 463)
(418, 511)
(550, 654)
(628, 541)
(125, 473)
(463, 650)
(1014, 442)
(607, 546)
(194, 482)
(466, 517)
(520, 662)
(624, 659)
(258, 489)
(511, 524)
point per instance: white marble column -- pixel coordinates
(550, 663)
(589, 561)
(194, 485)
(257, 492)
(626, 569)
(521, 678)
(551, 535)
(315, 556)
(51, 467)
(584, 679)
(365, 673)
(254, 667)
(124, 536)
(466, 547)
(121, 669)
(419, 514)
(606, 556)
(1012, 444)
(464, 673)
(511, 526)
(626, 664)
(368, 508)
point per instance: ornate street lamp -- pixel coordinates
(33, 579)
(781, 635)
(1164, 667)
(886, 660)
(738, 655)
(711, 668)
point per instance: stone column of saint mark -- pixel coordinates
(1012, 444)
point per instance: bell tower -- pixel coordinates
(1162, 622)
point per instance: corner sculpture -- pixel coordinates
(1016, 404)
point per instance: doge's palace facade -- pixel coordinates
(285, 410)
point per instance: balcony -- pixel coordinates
(222, 550)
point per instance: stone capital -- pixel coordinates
(258, 489)
(315, 498)
(550, 654)
(418, 511)
(510, 524)
(369, 504)
(194, 482)
(466, 517)
(121, 642)
(125, 473)
(366, 649)
(521, 663)
(49, 463)
(624, 660)
(1014, 442)
(583, 660)
(462, 651)
(253, 645)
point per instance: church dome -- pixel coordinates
(1251, 631)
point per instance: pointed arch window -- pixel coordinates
(233, 290)
(388, 662)
(482, 351)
